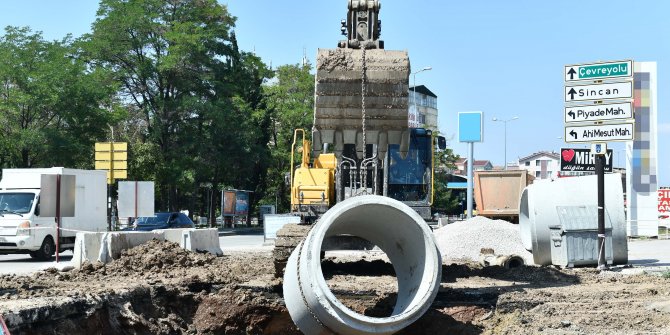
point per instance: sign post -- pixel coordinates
(113, 157)
(598, 123)
(57, 199)
(470, 130)
(136, 198)
(600, 172)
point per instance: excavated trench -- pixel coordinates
(199, 307)
(159, 288)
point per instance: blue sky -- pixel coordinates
(504, 58)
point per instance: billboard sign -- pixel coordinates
(229, 203)
(242, 203)
(583, 160)
(664, 200)
(470, 127)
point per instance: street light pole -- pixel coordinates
(505, 122)
(427, 68)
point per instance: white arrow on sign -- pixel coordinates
(623, 90)
(617, 111)
(600, 133)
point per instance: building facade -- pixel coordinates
(541, 165)
(461, 166)
(422, 108)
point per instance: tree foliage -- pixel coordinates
(52, 105)
(168, 77)
(197, 96)
(445, 200)
(290, 104)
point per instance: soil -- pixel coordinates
(158, 288)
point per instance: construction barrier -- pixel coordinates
(105, 247)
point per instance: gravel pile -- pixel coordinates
(463, 240)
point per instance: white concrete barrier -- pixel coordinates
(86, 248)
(396, 229)
(105, 247)
(195, 239)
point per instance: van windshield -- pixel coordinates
(20, 203)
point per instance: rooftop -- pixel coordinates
(423, 90)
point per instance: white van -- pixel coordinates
(23, 230)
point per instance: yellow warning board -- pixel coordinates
(107, 146)
(113, 157)
(118, 174)
(107, 156)
(107, 165)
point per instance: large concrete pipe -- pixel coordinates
(539, 213)
(396, 229)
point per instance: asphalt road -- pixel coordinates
(646, 254)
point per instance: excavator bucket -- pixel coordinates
(348, 85)
(361, 89)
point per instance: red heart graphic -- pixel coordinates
(568, 155)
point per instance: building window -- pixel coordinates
(537, 162)
(537, 174)
(422, 119)
(528, 163)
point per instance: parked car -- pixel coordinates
(163, 220)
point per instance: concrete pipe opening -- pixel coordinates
(398, 231)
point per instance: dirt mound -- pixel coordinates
(158, 257)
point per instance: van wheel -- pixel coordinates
(46, 251)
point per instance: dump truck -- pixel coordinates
(360, 140)
(497, 193)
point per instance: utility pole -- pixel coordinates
(505, 122)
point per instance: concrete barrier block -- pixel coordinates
(107, 246)
(204, 239)
(195, 239)
(86, 248)
(175, 235)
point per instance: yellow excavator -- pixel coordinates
(361, 142)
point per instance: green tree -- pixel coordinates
(445, 200)
(52, 105)
(197, 97)
(290, 103)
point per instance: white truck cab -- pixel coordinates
(24, 230)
